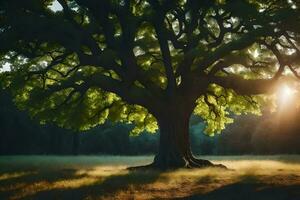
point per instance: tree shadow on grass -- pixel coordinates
(250, 191)
(250, 188)
(32, 176)
(15, 183)
(107, 187)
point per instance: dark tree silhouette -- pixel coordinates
(148, 62)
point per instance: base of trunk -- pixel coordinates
(187, 163)
(174, 143)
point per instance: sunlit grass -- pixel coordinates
(103, 177)
(13, 175)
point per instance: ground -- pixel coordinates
(106, 177)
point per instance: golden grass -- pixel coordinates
(6, 176)
(113, 181)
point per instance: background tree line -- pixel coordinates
(271, 133)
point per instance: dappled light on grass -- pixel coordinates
(111, 180)
(6, 176)
(267, 167)
(103, 171)
(76, 179)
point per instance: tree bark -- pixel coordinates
(174, 146)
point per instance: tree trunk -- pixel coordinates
(174, 147)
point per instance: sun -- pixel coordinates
(285, 95)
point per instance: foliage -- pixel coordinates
(249, 134)
(127, 60)
(219, 104)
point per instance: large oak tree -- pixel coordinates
(148, 62)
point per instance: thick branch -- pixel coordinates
(132, 94)
(161, 32)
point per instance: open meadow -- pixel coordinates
(106, 177)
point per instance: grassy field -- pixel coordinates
(106, 177)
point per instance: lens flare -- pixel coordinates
(285, 95)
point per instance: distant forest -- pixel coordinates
(271, 133)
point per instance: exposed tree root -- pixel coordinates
(200, 163)
(193, 163)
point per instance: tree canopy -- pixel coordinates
(128, 60)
